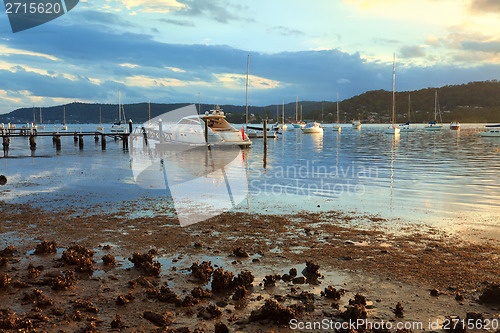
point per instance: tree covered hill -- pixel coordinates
(472, 102)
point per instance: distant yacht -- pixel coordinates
(407, 127)
(455, 126)
(356, 124)
(312, 128)
(392, 129)
(434, 126)
(494, 131)
(336, 127)
(118, 127)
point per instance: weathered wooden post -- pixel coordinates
(145, 138)
(124, 141)
(32, 144)
(96, 138)
(130, 125)
(103, 141)
(6, 143)
(75, 138)
(80, 141)
(206, 133)
(264, 128)
(57, 140)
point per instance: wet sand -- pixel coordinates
(432, 274)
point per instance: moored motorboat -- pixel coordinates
(356, 124)
(312, 128)
(493, 131)
(455, 126)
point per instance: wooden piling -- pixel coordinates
(80, 141)
(124, 142)
(96, 138)
(32, 143)
(103, 142)
(57, 141)
(130, 125)
(206, 133)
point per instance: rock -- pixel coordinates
(62, 282)
(311, 270)
(167, 295)
(117, 322)
(145, 262)
(86, 306)
(201, 293)
(435, 292)
(272, 310)
(210, 312)
(38, 298)
(293, 272)
(331, 292)
(5, 280)
(124, 299)
(79, 256)
(286, 278)
(354, 312)
(46, 247)
(221, 328)
(280, 298)
(240, 293)
(202, 272)
(109, 260)
(198, 245)
(358, 299)
(491, 294)
(474, 316)
(8, 251)
(399, 310)
(240, 253)
(245, 278)
(270, 280)
(222, 280)
(255, 260)
(459, 297)
(161, 320)
(299, 280)
(34, 272)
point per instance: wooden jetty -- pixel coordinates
(31, 132)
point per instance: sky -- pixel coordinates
(169, 51)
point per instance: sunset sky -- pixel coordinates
(170, 50)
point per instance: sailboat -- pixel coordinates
(298, 124)
(406, 127)
(336, 126)
(100, 127)
(283, 126)
(493, 131)
(435, 126)
(118, 127)
(392, 129)
(64, 127)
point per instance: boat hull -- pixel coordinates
(392, 130)
(490, 134)
(336, 128)
(433, 128)
(312, 130)
(455, 127)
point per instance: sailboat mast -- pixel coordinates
(322, 110)
(393, 89)
(283, 113)
(435, 105)
(296, 108)
(100, 120)
(34, 118)
(246, 95)
(300, 112)
(149, 112)
(409, 106)
(41, 122)
(277, 113)
(64, 115)
(337, 107)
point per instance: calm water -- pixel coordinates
(448, 179)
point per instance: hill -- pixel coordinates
(472, 102)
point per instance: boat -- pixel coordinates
(494, 131)
(313, 127)
(406, 127)
(41, 126)
(297, 123)
(356, 124)
(435, 126)
(283, 125)
(392, 129)
(117, 127)
(254, 131)
(100, 128)
(336, 127)
(455, 126)
(63, 127)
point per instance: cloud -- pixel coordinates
(412, 52)
(284, 31)
(153, 6)
(487, 6)
(489, 47)
(182, 23)
(220, 11)
(236, 81)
